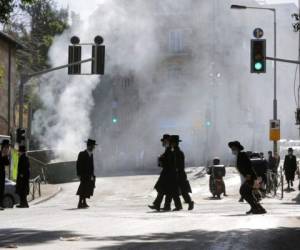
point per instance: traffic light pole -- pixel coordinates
(275, 104)
(25, 77)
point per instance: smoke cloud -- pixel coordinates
(188, 68)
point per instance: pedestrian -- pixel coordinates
(4, 161)
(244, 167)
(172, 176)
(290, 167)
(22, 186)
(161, 184)
(85, 172)
(183, 183)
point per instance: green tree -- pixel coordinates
(8, 6)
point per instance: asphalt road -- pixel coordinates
(119, 219)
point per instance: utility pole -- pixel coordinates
(299, 49)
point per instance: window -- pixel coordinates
(176, 41)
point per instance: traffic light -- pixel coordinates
(98, 54)
(74, 56)
(258, 56)
(20, 135)
(208, 124)
(114, 120)
(298, 116)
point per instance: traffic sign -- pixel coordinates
(274, 130)
(258, 33)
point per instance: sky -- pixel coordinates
(84, 9)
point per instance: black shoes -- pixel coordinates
(153, 207)
(82, 206)
(166, 209)
(22, 206)
(258, 210)
(191, 205)
(177, 209)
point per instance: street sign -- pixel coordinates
(258, 33)
(274, 130)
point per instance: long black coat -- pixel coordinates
(168, 180)
(22, 187)
(85, 172)
(4, 161)
(161, 185)
(244, 166)
(183, 182)
(290, 167)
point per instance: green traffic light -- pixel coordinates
(258, 66)
(208, 124)
(114, 120)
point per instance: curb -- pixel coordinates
(42, 200)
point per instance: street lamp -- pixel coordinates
(242, 7)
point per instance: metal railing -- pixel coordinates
(35, 187)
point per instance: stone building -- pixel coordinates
(8, 82)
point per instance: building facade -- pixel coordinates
(8, 82)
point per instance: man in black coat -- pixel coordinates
(173, 175)
(290, 167)
(183, 182)
(4, 161)
(244, 167)
(162, 182)
(85, 172)
(22, 186)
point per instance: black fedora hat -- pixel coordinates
(91, 142)
(235, 144)
(175, 138)
(290, 150)
(165, 137)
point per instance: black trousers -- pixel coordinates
(23, 200)
(176, 199)
(2, 188)
(187, 198)
(246, 193)
(158, 200)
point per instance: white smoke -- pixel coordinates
(215, 77)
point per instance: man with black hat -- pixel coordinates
(22, 186)
(243, 165)
(4, 161)
(173, 177)
(161, 185)
(290, 167)
(85, 172)
(183, 183)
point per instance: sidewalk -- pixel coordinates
(48, 191)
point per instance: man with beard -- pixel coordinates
(85, 172)
(4, 161)
(244, 167)
(22, 186)
(161, 184)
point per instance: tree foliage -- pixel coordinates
(8, 6)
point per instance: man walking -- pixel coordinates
(183, 182)
(161, 184)
(4, 161)
(243, 165)
(85, 172)
(290, 167)
(22, 186)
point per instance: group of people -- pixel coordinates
(23, 176)
(172, 182)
